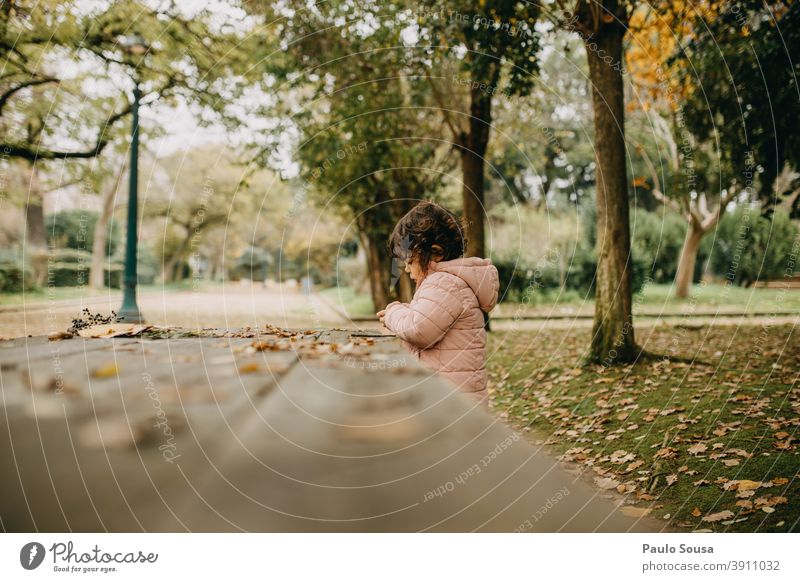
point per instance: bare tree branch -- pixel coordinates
(31, 83)
(458, 136)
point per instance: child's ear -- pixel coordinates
(437, 252)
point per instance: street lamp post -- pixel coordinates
(129, 312)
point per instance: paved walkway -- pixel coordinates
(265, 430)
(230, 306)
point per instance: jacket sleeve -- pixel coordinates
(429, 316)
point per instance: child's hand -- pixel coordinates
(380, 315)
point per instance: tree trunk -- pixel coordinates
(688, 260)
(35, 230)
(34, 221)
(172, 268)
(377, 268)
(97, 271)
(405, 288)
(613, 337)
(472, 168)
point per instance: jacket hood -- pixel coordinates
(480, 274)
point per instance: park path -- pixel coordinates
(266, 430)
(229, 306)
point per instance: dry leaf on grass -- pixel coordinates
(632, 466)
(619, 457)
(697, 449)
(719, 516)
(666, 453)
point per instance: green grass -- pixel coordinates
(712, 296)
(352, 303)
(660, 299)
(744, 386)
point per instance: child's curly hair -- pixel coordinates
(423, 227)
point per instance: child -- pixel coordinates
(444, 323)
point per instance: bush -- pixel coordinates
(74, 229)
(583, 268)
(352, 273)
(147, 268)
(254, 264)
(68, 267)
(750, 247)
(542, 282)
(519, 281)
(657, 240)
(15, 277)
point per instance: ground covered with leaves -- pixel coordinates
(707, 444)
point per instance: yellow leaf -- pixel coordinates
(107, 371)
(248, 368)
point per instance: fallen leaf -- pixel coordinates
(719, 516)
(696, 512)
(107, 371)
(665, 453)
(606, 482)
(632, 466)
(619, 457)
(113, 330)
(697, 449)
(249, 368)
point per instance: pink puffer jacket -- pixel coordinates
(444, 326)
